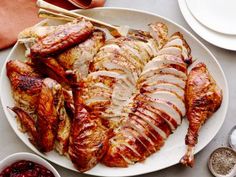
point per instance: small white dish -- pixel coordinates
(217, 15)
(218, 39)
(9, 160)
(233, 171)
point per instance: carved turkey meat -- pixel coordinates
(156, 108)
(128, 92)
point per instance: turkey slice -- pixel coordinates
(166, 86)
(172, 50)
(153, 47)
(97, 92)
(114, 48)
(178, 35)
(163, 106)
(179, 43)
(177, 40)
(171, 122)
(141, 146)
(162, 70)
(122, 92)
(149, 48)
(134, 53)
(150, 130)
(164, 60)
(134, 44)
(102, 86)
(112, 55)
(122, 139)
(96, 101)
(138, 47)
(159, 31)
(149, 117)
(131, 122)
(158, 119)
(114, 65)
(169, 97)
(169, 78)
(112, 74)
(107, 73)
(112, 61)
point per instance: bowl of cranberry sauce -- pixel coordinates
(26, 165)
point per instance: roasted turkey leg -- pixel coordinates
(203, 98)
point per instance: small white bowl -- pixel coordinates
(233, 171)
(9, 160)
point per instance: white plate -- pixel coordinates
(218, 39)
(174, 148)
(218, 15)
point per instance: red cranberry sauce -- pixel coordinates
(25, 168)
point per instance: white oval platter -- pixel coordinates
(175, 147)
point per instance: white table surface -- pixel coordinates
(10, 143)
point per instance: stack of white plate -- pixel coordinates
(213, 20)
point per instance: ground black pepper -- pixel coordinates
(223, 161)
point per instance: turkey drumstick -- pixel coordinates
(203, 98)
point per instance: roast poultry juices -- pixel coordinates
(113, 101)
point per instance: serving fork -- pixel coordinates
(48, 10)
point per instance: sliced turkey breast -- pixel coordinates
(177, 41)
(169, 97)
(162, 105)
(169, 78)
(159, 31)
(165, 86)
(162, 70)
(165, 60)
(79, 57)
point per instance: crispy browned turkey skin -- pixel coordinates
(26, 83)
(88, 137)
(47, 121)
(43, 130)
(52, 69)
(62, 38)
(203, 98)
(78, 57)
(39, 107)
(73, 61)
(43, 106)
